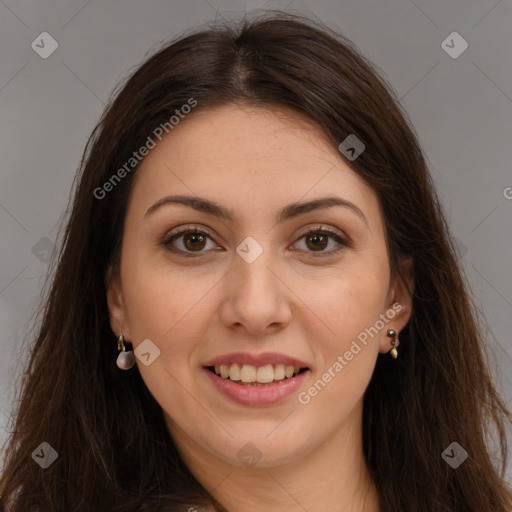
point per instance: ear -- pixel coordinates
(116, 305)
(399, 302)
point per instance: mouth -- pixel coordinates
(257, 386)
(250, 379)
(256, 376)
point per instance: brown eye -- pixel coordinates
(317, 241)
(187, 241)
(194, 241)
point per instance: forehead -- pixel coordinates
(246, 156)
(250, 134)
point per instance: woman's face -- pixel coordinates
(252, 293)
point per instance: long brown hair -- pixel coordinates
(115, 452)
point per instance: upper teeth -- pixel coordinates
(250, 373)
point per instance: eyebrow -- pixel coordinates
(290, 211)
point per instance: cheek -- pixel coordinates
(166, 307)
(171, 308)
(350, 306)
(350, 302)
(158, 296)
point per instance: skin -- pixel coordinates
(255, 162)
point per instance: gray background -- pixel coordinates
(461, 109)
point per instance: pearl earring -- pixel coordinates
(394, 342)
(125, 359)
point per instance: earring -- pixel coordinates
(394, 342)
(125, 359)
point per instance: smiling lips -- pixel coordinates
(251, 369)
(248, 373)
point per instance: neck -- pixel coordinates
(333, 476)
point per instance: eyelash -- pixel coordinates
(343, 243)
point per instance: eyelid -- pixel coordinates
(188, 228)
(324, 228)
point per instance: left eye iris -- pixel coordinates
(194, 241)
(319, 240)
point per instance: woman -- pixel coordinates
(256, 241)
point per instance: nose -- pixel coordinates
(256, 298)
